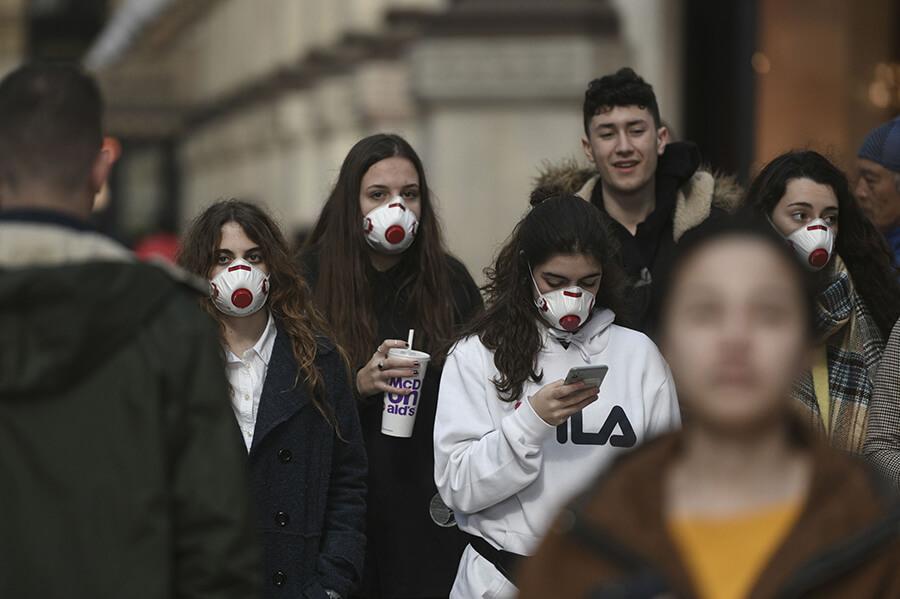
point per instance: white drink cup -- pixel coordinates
(399, 414)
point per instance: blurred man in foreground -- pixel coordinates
(121, 465)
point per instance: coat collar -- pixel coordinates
(280, 399)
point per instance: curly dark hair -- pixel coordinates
(859, 244)
(290, 299)
(563, 224)
(622, 88)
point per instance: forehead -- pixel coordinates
(234, 238)
(620, 116)
(395, 170)
(736, 268)
(808, 191)
(864, 164)
(573, 266)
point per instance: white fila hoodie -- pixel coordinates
(505, 472)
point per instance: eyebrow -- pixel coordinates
(627, 124)
(550, 274)
(227, 251)
(380, 186)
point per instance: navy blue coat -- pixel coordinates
(309, 485)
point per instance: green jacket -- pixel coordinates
(122, 471)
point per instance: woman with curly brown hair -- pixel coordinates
(292, 400)
(513, 439)
(808, 201)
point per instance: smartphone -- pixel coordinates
(592, 376)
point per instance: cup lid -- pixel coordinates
(399, 352)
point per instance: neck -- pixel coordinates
(722, 472)
(41, 197)
(382, 262)
(242, 332)
(630, 208)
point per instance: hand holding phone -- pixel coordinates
(591, 376)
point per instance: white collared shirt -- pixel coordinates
(247, 374)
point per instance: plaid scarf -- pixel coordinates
(854, 346)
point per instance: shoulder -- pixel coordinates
(468, 348)
(631, 341)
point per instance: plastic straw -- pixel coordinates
(409, 339)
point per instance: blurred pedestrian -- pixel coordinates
(516, 436)
(121, 464)
(378, 266)
(807, 199)
(745, 501)
(882, 446)
(878, 187)
(653, 188)
(292, 399)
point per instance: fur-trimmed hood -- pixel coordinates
(698, 195)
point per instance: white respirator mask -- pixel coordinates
(240, 290)
(814, 244)
(391, 228)
(564, 309)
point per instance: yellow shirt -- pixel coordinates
(725, 556)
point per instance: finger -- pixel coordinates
(398, 373)
(404, 363)
(392, 344)
(382, 386)
(578, 395)
(575, 408)
(565, 390)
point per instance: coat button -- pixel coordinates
(282, 519)
(285, 456)
(279, 578)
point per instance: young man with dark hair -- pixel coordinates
(122, 466)
(652, 189)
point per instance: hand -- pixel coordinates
(374, 376)
(555, 402)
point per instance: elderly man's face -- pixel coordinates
(878, 191)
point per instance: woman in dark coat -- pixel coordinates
(292, 401)
(378, 267)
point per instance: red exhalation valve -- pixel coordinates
(570, 322)
(819, 258)
(242, 298)
(395, 234)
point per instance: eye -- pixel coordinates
(412, 194)
(831, 220)
(223, 259)
(638, 131)
(254, 257)
(799, 216)
(584, 283)
(377, 195)
(606, 135)
(554, 282)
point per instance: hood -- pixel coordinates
(68, 301)
(591, 339)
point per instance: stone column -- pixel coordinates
(499, 86)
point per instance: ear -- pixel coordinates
(662, 139)
(587, 149)
(109, 153)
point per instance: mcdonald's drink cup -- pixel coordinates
(399, 414)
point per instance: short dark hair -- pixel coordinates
(50, 126)
(622, 88)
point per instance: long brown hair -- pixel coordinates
(343, 291)
(509, 324)
(290, 300)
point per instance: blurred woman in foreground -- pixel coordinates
(743, 502)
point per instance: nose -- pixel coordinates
(860, 189)
(623, 144)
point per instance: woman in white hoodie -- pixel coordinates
(512, 442)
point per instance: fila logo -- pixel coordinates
(616, 419)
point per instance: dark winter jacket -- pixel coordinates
(309, 485)
(613, 541)
(121, 462)
(408, 555)
(686, 197)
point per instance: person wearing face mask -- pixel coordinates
(745, 501)
(378, 266)
(512, 440)
(808, 201)
(291, 396)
